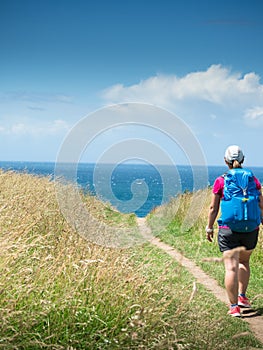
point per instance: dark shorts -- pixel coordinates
(228, 239)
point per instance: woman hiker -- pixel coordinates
(237, 270)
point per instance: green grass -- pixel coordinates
(60, 291)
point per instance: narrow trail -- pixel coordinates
(251, 316)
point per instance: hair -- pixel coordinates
(236, 164)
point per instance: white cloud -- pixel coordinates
(36, 97)
(213, 116)
(218, 105)
(215, 85)
(35, 129)
(254, 116)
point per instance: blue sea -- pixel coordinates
(137, 188)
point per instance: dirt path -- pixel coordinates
(252, 317)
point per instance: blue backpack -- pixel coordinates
(240, 206)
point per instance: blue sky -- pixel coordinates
(63, 60)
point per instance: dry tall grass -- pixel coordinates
(60, 291)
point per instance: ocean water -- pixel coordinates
(137, 188)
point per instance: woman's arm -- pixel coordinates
(212, 214)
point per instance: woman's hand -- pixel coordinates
(209, 233)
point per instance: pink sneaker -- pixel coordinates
(234, 311)
(243, 301)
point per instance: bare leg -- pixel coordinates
(231, 261)
(244, 270)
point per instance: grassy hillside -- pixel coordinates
(59, 291)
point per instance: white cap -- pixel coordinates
(234, 153)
